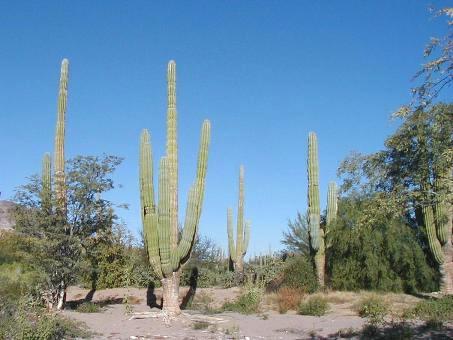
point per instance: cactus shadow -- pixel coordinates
(193, 282)
(151, 299)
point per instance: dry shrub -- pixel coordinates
(289, 298)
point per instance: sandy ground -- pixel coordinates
(120, 304)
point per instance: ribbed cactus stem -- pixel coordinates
(238, 250)
(160, 223)
(59, 159)
(440, 210)
(314, 209)
(332, 203)
(434, 244)
(172, 151)
(46, 178)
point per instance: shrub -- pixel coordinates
(299, 273)
(373, 308)
(247, 303)
(434, 312)
(289, 298)
(315, 305)
(88, 307)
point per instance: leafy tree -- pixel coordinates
(61, 243)
(372, 247)
(296, 238)
(436, 73)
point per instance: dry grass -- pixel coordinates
(289, 299)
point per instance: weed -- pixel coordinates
(373, 308)
(247, 303)
(434, 312)
(289, 298)
(88, 307)
(315, 305)
(200, 325)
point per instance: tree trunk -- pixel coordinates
(61, 299)
(170, 294)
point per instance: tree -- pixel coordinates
(415, 171)
(436, 73)
(61, 242)
(296, 237)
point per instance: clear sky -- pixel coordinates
(264, 72)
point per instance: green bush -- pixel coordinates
(88, 307)
(434, 312)
(315, 305)
(299, 273)
(23, 319)
(372, 251)
(373, 308)
(247, 303)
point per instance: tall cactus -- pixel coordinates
(60, 181)
(314, 211)
(438, 222)
(238, 251)
(317, 233)
(160, 221)
(46, 179)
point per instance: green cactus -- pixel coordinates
(316, 232)
(59, 159)
(160, 222)
(238, 251)
(46, 179)
(314, 211)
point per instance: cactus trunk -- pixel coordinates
(160, 222)
(59, 158)
(237, 251)
(46, 191)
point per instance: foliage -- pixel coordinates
(372, 249)
(436, 73)
(296, 237)
(248, 302)
(434, 310)
(299, 273)
(289, 298)
(58, 245)
(23, 319)
(373, 308)
(265, 272)
(88, 307)
(315, 305)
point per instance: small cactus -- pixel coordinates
(238, 251)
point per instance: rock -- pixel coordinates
(6, 217)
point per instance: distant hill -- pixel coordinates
(6, 218)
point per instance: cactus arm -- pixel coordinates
(313, 191)
(440, 212)
(195, 201)
(434, 244)
(332, 202)
(148, 208)
(60, 187)
(164, 217)
(240, 220)
(172, 152)
(231, 247)
(46, 192)
(246, 237)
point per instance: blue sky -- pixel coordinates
(264, 72)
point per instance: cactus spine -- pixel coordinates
(60, 182)
(160, 222)
(238, 251)
(316, 232)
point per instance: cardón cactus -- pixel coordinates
(160, 222)
(317, 232)
(238, 252)
(46, 179)
(60, 181)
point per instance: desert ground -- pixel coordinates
(125, 314)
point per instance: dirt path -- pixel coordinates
(114, 321)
